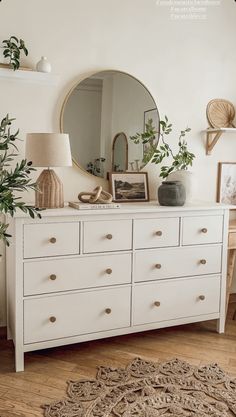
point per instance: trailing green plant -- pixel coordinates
(148, 137)
(12, 48)
(13, 180)
(181, 160)
(161, 149)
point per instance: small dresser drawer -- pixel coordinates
(153, 233)
(177, 262)
(202, 229)
(107, 236)
(76, 314)
(168, 300)
(41, 277)
(50, 239)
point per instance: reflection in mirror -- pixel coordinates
(99, 107)
(120, 153)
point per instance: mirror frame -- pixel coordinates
(126, 149)
(75, 84)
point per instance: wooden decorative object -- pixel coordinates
(231, 259)
(50, 190)
(220, 113)
(97, 196)
(213, 135)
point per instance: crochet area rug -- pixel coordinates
(147, 389)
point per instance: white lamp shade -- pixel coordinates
(48, 149)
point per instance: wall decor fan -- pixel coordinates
(220, 113)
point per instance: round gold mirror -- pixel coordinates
(101, 114)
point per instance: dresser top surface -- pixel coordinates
(130, 208)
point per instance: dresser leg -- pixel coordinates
(221, 325)
(19, 360)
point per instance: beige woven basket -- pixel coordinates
(220, 113)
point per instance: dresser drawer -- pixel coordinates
(168, 300)
(153, 233)
(202, 229)
(107, 236)
(75, 314)
(51, 239)
(50, 276)
(177, 262)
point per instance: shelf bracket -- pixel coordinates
(212, 139)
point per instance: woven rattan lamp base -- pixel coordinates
(50, 194)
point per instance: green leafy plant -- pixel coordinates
(12, 48)
(181, 160)
(161, 149)
(148, 137)
(96, 167)
(12, 180)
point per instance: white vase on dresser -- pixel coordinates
(82, 275)
(187, 178)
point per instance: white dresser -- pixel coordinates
(82, 275)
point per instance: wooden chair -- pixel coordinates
(231, 260)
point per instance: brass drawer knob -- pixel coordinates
(109, 236)
(109, 271)
(159, 233)
(204, 230)
(203, 261)
(52, 319)
(202, 297)
(157, 303)
(53, 277)
(108, 311)
(158, 266)
(53, 240)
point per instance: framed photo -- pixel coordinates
(151, 114)
(129, 186)
(226, 189)
(154, 115)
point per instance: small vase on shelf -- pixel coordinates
(43, 65)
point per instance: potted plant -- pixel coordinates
(12, 49)
(12, 180)
(177, 170)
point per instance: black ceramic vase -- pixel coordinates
(171, 193)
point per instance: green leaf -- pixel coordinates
(15, 38)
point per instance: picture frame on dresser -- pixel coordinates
(226, 183)
(129, 186)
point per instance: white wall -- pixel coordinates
(183, 63)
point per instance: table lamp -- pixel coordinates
(48, 150)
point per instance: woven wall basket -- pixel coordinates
(220, 113)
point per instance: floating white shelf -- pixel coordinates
(213, 135)
(29, 76)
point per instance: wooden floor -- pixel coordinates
(47, 371)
